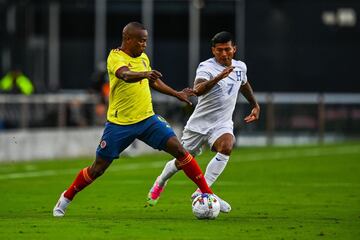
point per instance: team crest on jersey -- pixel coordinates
(103, 144)
(238, 75)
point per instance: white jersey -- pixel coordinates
(216, 107)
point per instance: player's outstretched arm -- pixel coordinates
(203, 86)
(248, 93)
(129, 76)
(183, 95)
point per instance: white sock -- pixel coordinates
(215, 167)
(169, 170)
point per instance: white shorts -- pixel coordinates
(193, 141)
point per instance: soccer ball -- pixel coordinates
(206, 206)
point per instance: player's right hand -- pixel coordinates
(225, 72)
(153, 75)
(185, 94)
(254, 115)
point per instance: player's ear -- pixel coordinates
(235, 49)
(127, 38)
(213, 50)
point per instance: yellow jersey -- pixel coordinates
(129, 103)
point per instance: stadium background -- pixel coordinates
(302, 59)
(294, 173)
(289, 46)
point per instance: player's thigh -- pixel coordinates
(156, 132)
(114, 140)
(221, 139)
(193, 141)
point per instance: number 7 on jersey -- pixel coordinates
(231, 85)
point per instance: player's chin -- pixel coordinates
(225, 62)
(138, 54)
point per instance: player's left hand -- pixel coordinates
(254, 115)
(185, 94)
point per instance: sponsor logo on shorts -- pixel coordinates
(161, 119)
(164, 121)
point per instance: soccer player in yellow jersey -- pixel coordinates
(130, 115)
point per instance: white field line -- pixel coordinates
(258, 185)
(262, 185)
(278, 155)
(130, 166)
(315, 152)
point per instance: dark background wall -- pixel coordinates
(289, 48)
(287, 45)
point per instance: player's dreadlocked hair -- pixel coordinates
(222, 37)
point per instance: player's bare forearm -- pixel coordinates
(247, 92)
(160, 86)
(129, 76)
(203, 86)
(183, 95)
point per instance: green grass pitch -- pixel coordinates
(308, 192)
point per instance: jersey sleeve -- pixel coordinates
(202, 72)
(244, 80)
(147, 62)
(115, 61)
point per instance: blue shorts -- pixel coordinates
(154, 131)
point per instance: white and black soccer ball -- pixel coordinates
(206, 206)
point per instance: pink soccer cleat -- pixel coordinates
(154, 193)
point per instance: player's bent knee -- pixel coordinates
(175, 148)
(225, 149)
(98, 167)
(180, 152)
(225, 152)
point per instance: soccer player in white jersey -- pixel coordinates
(217, 83)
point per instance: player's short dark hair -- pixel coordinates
(130, 27)
(136, 25)
(222, 37)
